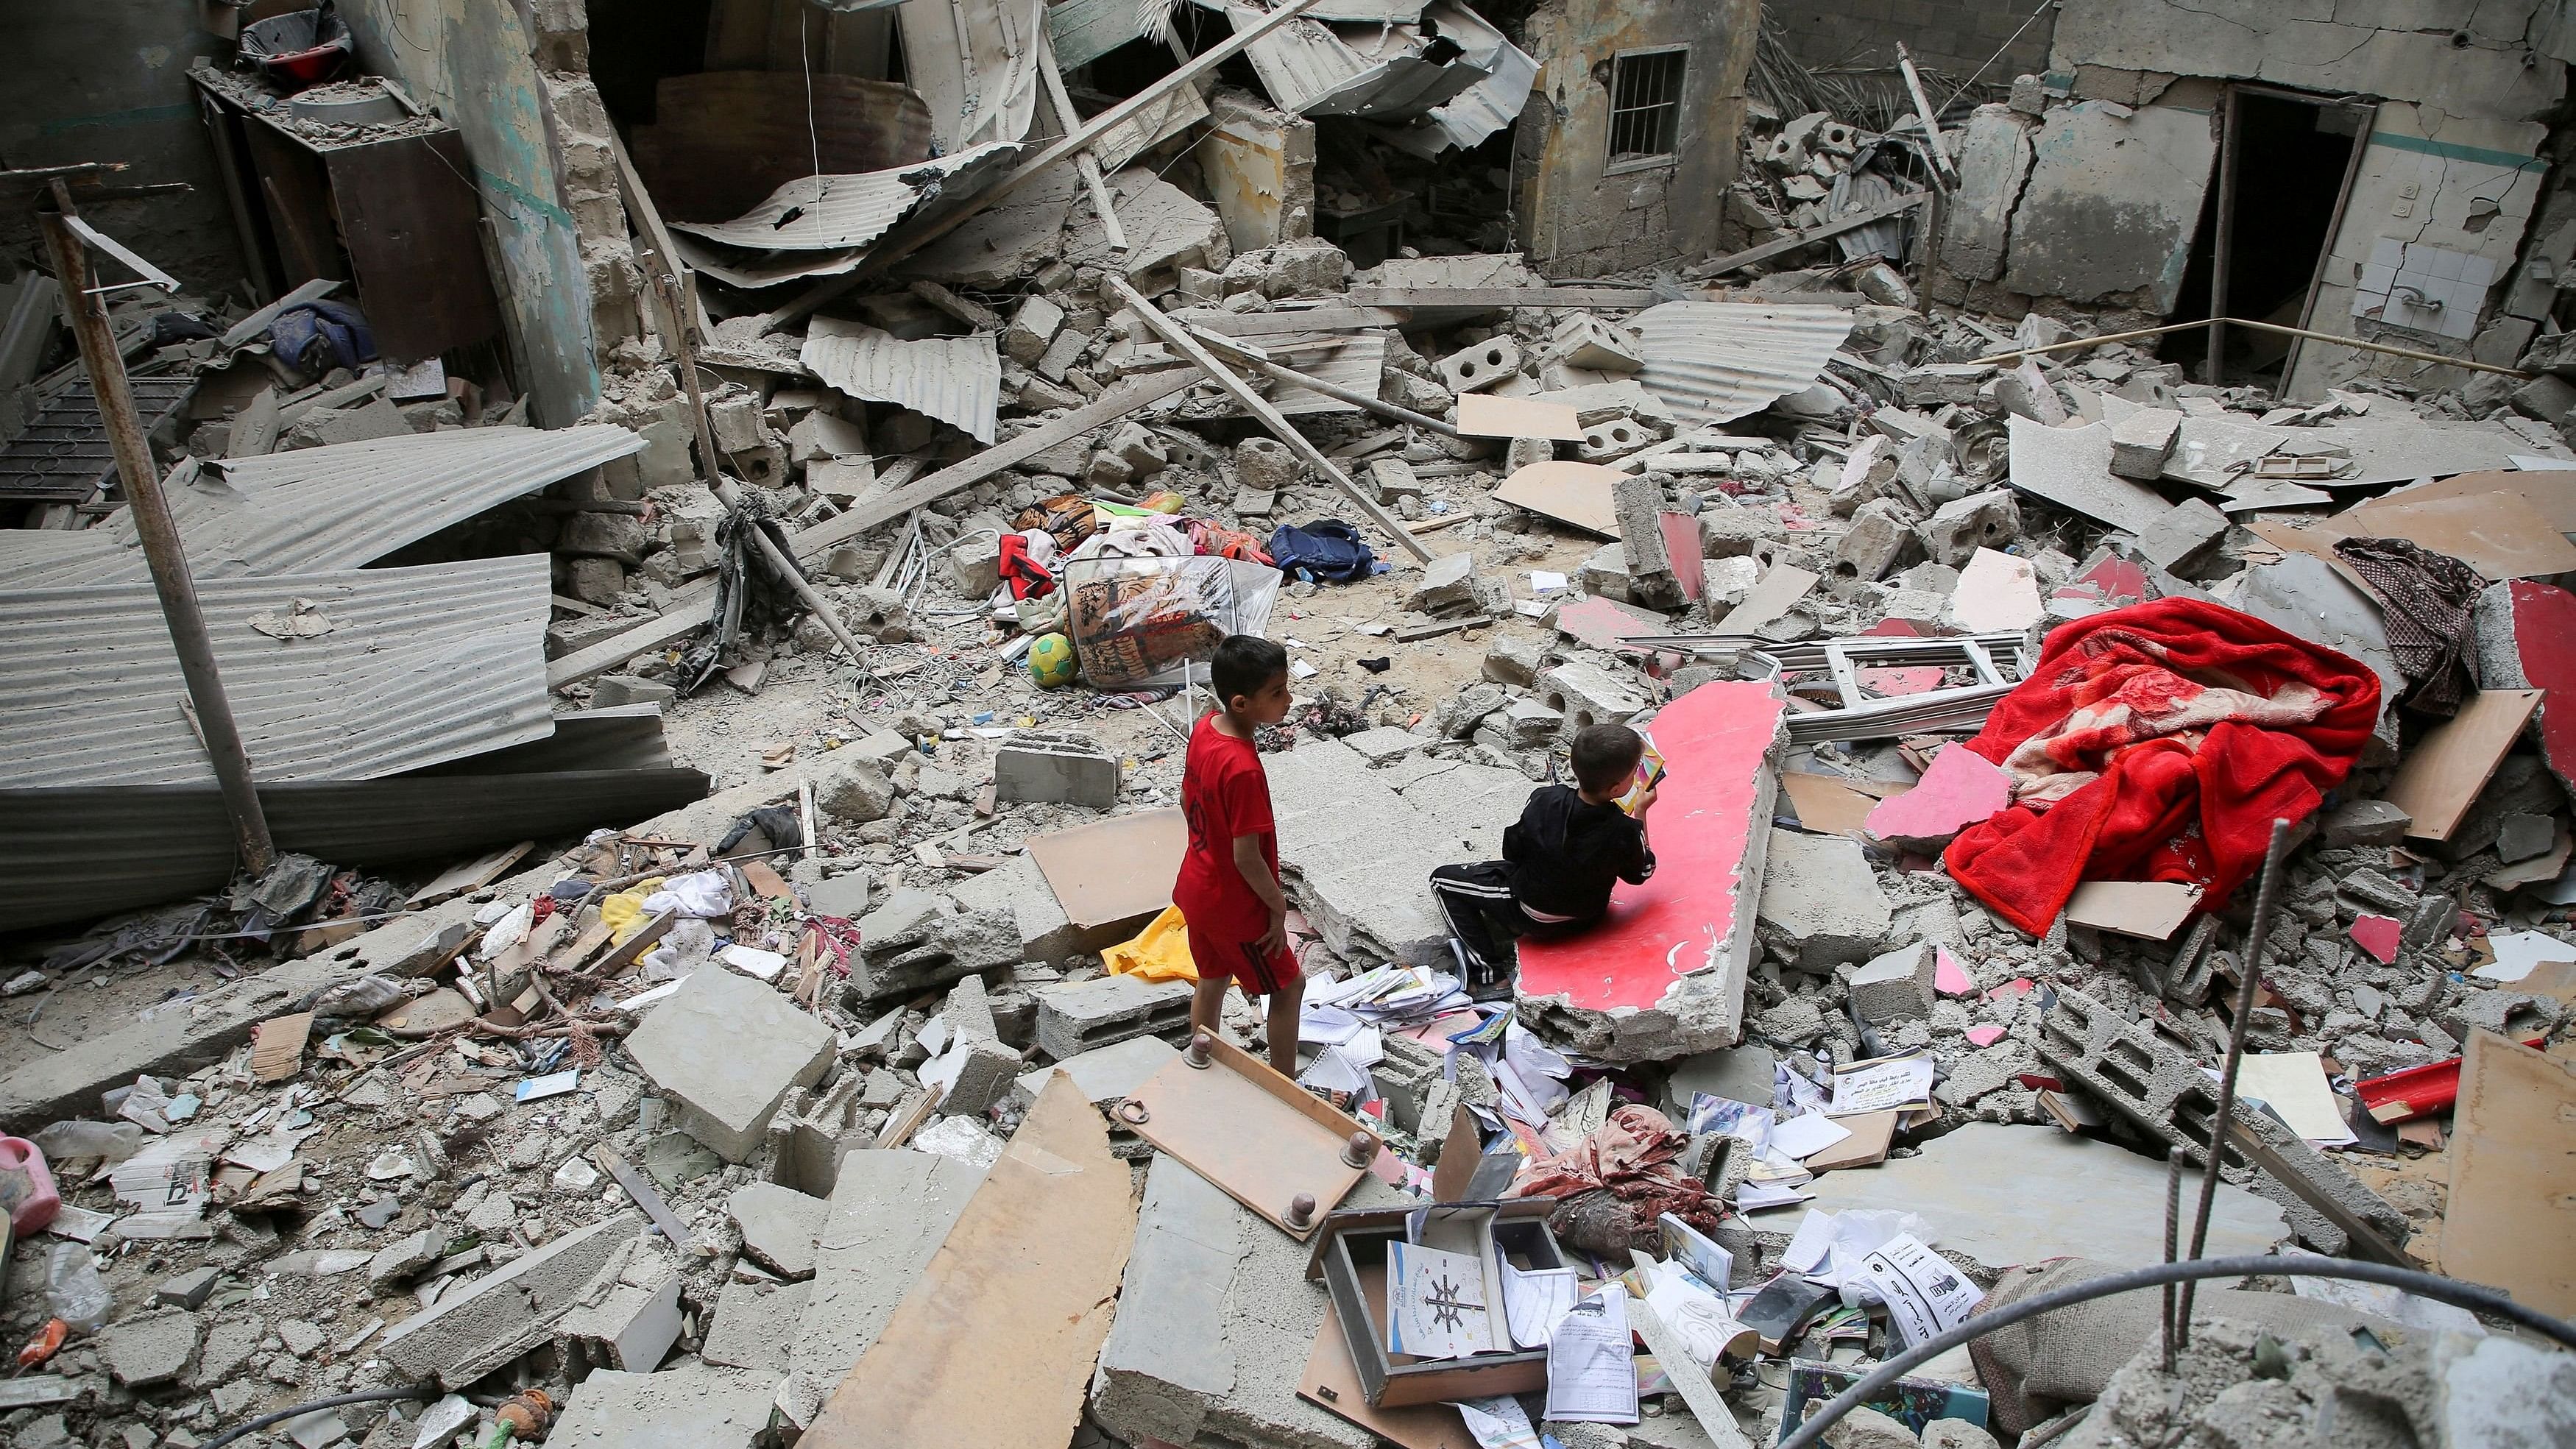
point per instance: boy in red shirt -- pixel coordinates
(1228, 890)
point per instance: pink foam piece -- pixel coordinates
(2379, 936)
(1948, 976)
(1892, 681)
(1696, 912)
(1962, 788)
(1601, 623)
(1984, 1036)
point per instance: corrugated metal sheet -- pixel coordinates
(64, 456)
(420, 665)
(733, 268)
(957, 380)
(1300, 62)
(829, 213)
(1374, 70)
(1085, 30)
(1714, 362)
(987, 89)
(319, 509)
(723, 139)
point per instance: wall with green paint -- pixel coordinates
(108, 81)
(473, 61)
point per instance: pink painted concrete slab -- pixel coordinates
(1984, 1036)
(2543, 640)
(1681, 548)
(2379, 935)
(1894, 629)
(1599, 623)
(1894, 681)
(2009, 989)
(1962, 788)
(1948, 976)
(1696, 913)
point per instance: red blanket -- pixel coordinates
(2158, 742)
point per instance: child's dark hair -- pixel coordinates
(1605, 755)
(1243, 664)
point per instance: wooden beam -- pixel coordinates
(1795, 240)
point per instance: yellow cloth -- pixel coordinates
(1160, 952)
(623, 913)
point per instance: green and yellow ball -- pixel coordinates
(1051, 661)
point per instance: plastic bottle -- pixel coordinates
(27, 1192)
(73, 1289)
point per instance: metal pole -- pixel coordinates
(159, 535)
(2226, 238)
(2267, 899)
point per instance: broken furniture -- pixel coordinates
(1350, 1257)
(1272, 1145)
(1862, 717)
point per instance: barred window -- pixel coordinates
(1646, 105)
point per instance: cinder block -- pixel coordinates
(626, 1319)
(2141, 441)
(1588, 694)
(476, 1328)
(1055, 769)
(727, 1048)
(1958, 528)
(1079, 1016)
(1482, 365)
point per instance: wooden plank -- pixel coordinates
(2443, 774)
(995, 1343)
(1819, 232)
(1483, 415)
(473, 875)
(1247, 1129)
(2150, 910)
(408, 217)
(1115, 869)
(1497, 298)
(2552, 491)
(694, 605)
(2502, 535)
(1574, 494)
(1871, 1135)
(1291, 321)
(248, 329)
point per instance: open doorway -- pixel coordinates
(2285, 169)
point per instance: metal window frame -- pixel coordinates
(1647, 160)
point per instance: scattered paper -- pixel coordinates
(1806, 1136)
(1530, 608)
(554, 1084)
(1498, 1423)
(2516, 952)
(1435, 1303)
(2293, 1084)
(1755, 1196)
(1809, 1245)
(1300, 669)
(1591, 1376)
(1925, 1295)
(1875, 1086)
(1534, 1300)
(1542, 581)
(79, 1224)
(1742, 1121)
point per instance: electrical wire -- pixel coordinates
(805, 61)
(2428, 1285)
(371, 1396)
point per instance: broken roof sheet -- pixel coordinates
(408, 667)
(957, 380)
(830, 213)
(975, 63)
(319, 509)
(2213, 451)
(727, 138)
(1374, 68)
(1714, 362)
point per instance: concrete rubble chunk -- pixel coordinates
(398, 1260)
(696, 1406)
(1059, 769)
(2142, 440)
(1076, 1017)
(1961, 789)
(779, 1226)
(726, 1048)
(1446, 584)
(1589, 694)
(890, 1210)
(1106, 1074)
(1356, 845)
(151, 1348)
(477, 1326)
(1821, 905)
(627, 1317)
(1875, 543)
(909, 945)
(1893, 987)
(2183, 535)
(1958, 528)
(755, 1325)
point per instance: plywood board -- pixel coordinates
(1872, 1133)
(1332, 1382)
(1830, 804)
(2441, 777)
(1483, 415)
(1115, 869)
(2511, 1221)
(2552, 492)
(2501, 535)
(473, 875)
(1574, 494)
(995, 1343)
(1249, 1130)
(2151, 910)
(1774, 594)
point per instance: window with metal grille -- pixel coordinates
(1646, 105)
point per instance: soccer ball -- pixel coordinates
(1051, 661)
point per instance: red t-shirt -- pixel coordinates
(1225, 793)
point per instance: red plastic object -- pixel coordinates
(47, 1342)
(27, 1192)
(2422, 1091)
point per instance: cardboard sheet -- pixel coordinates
(2151, 910)
(2500, 534)
(1116, 869)
(1830, 804)
(2294, 1085)
(1773, 595)
(1872, 1133)
(1483, 415)
(2552, 492)
(2440, 778)
(2511, 1222)
(995, 1344)
(1575, 494)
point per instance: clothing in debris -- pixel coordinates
(2126, 765)
(2426, 599)
(1485, 918)
(1225, 794)
(1617, 1181)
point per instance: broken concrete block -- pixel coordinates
(1821, 905)
(1513, 659)
(1033, 326)
(1046, 933)
(150, 1348)
(397, 1261)
(626, 1318)
(1384, 745)
(1588, 694)
(1356, 843)
(188, 1290)
(779, 1226)
(1998, 593)
(1106, 1074)
(1960, 789)
(1604, 573)
(726, 1049)
(2184, 533)
(1066, 769)
(1640, 505)
(2142, 440)
(890, 1210)
(2520, 837)
(478, 1326)
(910, 946)
(1447, 584)
(755, 1325)
(693, 1404)
(851, 788)
(1075, 1017)
(1876, 541)
(1221, 1322)
(609, 691)
(1958, 528)
(2365, 822)
(1393, 479)
(1584, 340)
(971, 1076)
(1481, 365)
(1893, 987)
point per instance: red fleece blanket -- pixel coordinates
(2158, 742)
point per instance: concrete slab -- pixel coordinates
(1894, 987)
(2071, 467)
(2113, 198)
(1107, 1073)
(727, 1048)
(1821, 905)
(1216, 1319)
(1663, 974)
(474, 1329)
(779, 1226)
(1357, 845)
(1994, 161)
(2007, 1195)
(691, 1407)
(755, 1326)
(1599, 623)
(1960, 789)
(1997, 594)
(1741, 1074)
(1046, 934)
(151, 1348)
(890, 1210)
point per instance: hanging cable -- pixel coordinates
(805, 60)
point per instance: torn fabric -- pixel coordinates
(2425, 599)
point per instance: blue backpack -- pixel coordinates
(1326, 550)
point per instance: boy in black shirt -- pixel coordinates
(1558, 863)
